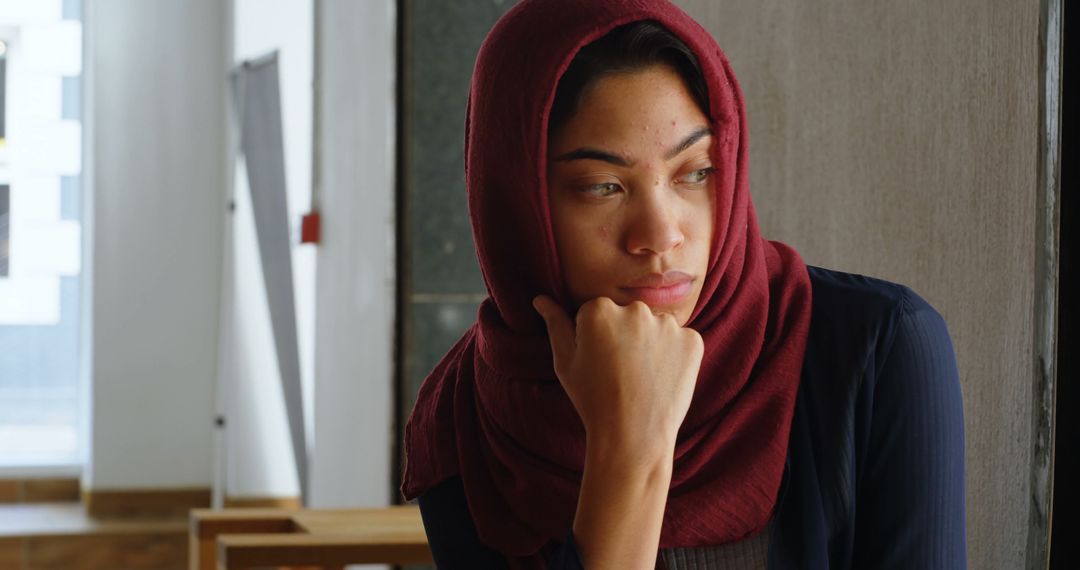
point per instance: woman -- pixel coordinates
(650, 382)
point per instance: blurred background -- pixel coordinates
(222, 283)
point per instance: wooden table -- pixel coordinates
(244, 538)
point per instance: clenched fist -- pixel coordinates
(629, 373)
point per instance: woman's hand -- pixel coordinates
(629, 373)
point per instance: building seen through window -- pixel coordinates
(40, 233)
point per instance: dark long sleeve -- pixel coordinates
(565, 556)
(910, 486)
(451, 532)
(453, 539)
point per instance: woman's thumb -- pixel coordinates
(560, 328)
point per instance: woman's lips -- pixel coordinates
(660, 289)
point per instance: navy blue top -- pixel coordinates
(874, 476)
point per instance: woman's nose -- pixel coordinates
(654, 226)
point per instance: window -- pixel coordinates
(40, 233)
(5, 200)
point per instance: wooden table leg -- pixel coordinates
(207, 524)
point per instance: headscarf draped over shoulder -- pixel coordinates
(493, 412)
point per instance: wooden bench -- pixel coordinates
(232, 539)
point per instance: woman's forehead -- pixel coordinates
(643, 112)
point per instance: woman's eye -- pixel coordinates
(698, 176)
(606, 189)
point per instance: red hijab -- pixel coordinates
(493, 412)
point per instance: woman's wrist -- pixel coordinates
(621, 506)
(638, 461)
(640, 445)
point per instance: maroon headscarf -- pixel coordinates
(493, 411)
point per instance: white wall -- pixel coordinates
(159, 153)
(355, 285)
(258, 451)
(348, 387)
(158, 175)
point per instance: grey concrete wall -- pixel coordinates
(899, 139)
(442, 282)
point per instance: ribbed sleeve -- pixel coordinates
(910, 485)
(451, 532)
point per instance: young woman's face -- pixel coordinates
(631, 192)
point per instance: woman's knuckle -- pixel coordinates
(589, 310)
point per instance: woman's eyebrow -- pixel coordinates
(594, 154)
(698, 134)
(588, 153)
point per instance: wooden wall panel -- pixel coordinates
(11, 552)
(899, 139)
(39, 490)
